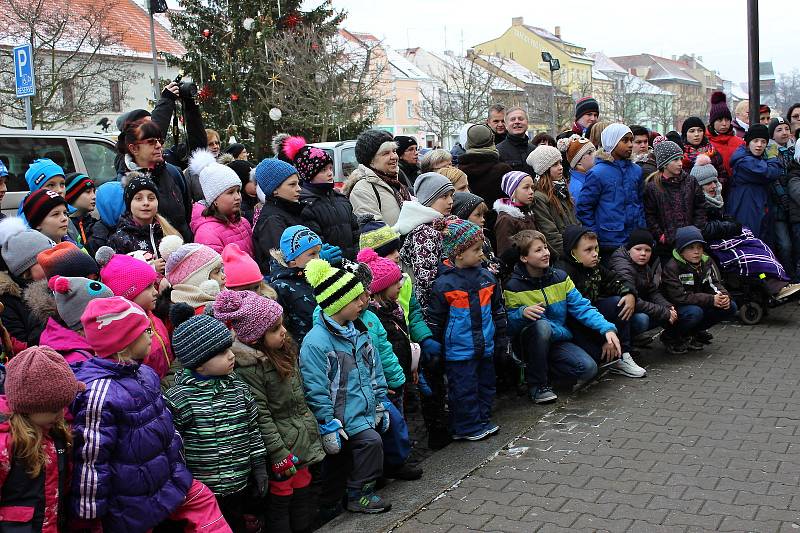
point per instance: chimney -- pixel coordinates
(516, 21)
(700, 58)
(558, 32)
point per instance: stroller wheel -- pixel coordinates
(751, 313)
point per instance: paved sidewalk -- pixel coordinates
(709, 441)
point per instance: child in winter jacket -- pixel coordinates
(80, 195)
(298, 246)
(722, 137)
(422, 222)
(46, 211)
(215, 413)
(553, 206)
(540, 299)
(579, 154)
(35, 442)
(515, 213)
(45, 174)
(217, 220)
(468, 318)
(695, 142)
(468, 206)
(345, 389)
(194, 271)
(242, 272)
(615, 300)
(783, 206)
(122, 427)
(266, 359)
(692, 284)
(110, 202)
(135, 280)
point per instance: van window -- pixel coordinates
(98, 157)
(18, 152)
(349, 162)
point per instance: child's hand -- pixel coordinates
(159, 265)
(673, 315)
(611, 349)
(415, 377)
(722, 301)
(627, 303)
(533, 312)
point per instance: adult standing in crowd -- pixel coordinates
(375, 187)
(741, 122)
(497, 122)
(515, 149)
(483, 167)
(408, 152)
(793, 118)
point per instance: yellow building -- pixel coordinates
(525, 44)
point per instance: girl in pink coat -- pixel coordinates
(217, 220)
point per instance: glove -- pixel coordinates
(432, 354)
(382, 417)
(285, 467)
(332, 434)
(262, 482)
(330, 253)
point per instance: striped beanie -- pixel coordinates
(188, 264)
(459, 236)
(38, 204)
(334, 288)
(77, 184)
(377, 235)
(430, 186)
(197, 338)
(66, 259)
(511, 180)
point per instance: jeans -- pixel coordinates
(640, 322)
(544, 357)
(693, 318)
(784, 248)
(470, 393)
(590, 340)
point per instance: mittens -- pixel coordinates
(382, 417)
(330, 253)
(285, 467)
(332, 434)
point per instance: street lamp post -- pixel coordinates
(554, 65)
(753, 74)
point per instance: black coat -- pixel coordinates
(329, 214)
(514, 151)
(397, 335)
(17, 317)
(276, 215)
(295, 296)
(133, 237)
(411, 172)
(484, 172)
(647, 280)
(99, 237)
(719, 226)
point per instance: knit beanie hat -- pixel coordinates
(689, 123)
(197, 338)
(66, 259)
(773, 125)
(296, 240)
(377, 235)
(719, 108)
(640, 236)
(189, 264)
(361, 271)
(38, 204)
(612, 134)
(214, 177)
(110, 202)
(3, 170)
(456, 176)
(125, 275)
(249, 314)
(40, 172)
(703, 171)
(271, 172)
(334, 288)
(756, 131)
(404, 142)
(764, 109)
(368, 143)
(39, 380)
(578, 147)
(511, 180)
(72, 295)
(458, 236)
(385, 272)
(241, 270)
(112, 324)
(464, 203)
(235, 149)
(687, 235)
(665, 151)
(309, 160)
(21, 245)
(479, 136)
(542, 158)
(77, 183)
(431, 186)
(135, 182)
(587, 104)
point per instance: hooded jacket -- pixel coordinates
(610, 202)
(369, 194)
(725, 144)
(552, 223)
(484, 172)
(514, 151)
(129, 470)
(216, 234)
(284, 419)
(593, 283)
(392, 370)
(510, 221)
(677, 203)
(329, 214)
(17, 317)
(686, 284)
(749, 187)
(275, 216)
(556, 292)
(68, 343)
(342, 378)
(396, 333)
(295, 295)
(133, 237)
(647, 282)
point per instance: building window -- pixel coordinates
(116, 96)
(389, 109)
(68, 94)
(410, 108)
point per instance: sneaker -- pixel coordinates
(675, 347)
(626, 366)
(543, 394)
(366, 501)
(703, 336)
(480, 435)
(787, 291)
(492, 428)
(695, 345)
(404, 472)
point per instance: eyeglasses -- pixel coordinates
(152, 141)
(214, 143)
(149, 331)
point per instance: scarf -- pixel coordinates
(716, 200)
(399, 190)
(690, 152)
(561, 189)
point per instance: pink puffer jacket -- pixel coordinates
(215, 234)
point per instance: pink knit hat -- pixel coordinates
(385, 272)
(240, 269)
(112, 324)
(38, 380)
(188, 264)
(123, 274)
(249, 314)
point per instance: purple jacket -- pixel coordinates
(128, 468)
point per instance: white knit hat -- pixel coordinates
(215, 178)
(542, 158)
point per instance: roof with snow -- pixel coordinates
(660, 68)
(515, 70)
(603, 63)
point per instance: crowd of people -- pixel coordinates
(219, 346)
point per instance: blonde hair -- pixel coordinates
(655, 177)
(457, 177)
(596, 131)
(166, 227)
(27, 441)
(212, 133)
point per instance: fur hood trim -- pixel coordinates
(8, 286)
(40, 300)
(246, 355)
(504, 205)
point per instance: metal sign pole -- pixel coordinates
(156, 80)
(28, 114)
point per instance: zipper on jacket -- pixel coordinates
(153, 242)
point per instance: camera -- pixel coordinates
(186, 89)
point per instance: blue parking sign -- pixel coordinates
(23, 71)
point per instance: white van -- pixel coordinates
(343, 154)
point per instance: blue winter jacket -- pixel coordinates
(466, 313)
(556, 292)
(341, 377)
(576, 180)
(749, 187)
(128, 467)
(610, 202)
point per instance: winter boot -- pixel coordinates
(364, 500)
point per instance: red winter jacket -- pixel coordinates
(725, 144)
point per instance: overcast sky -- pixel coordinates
(713, 29)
